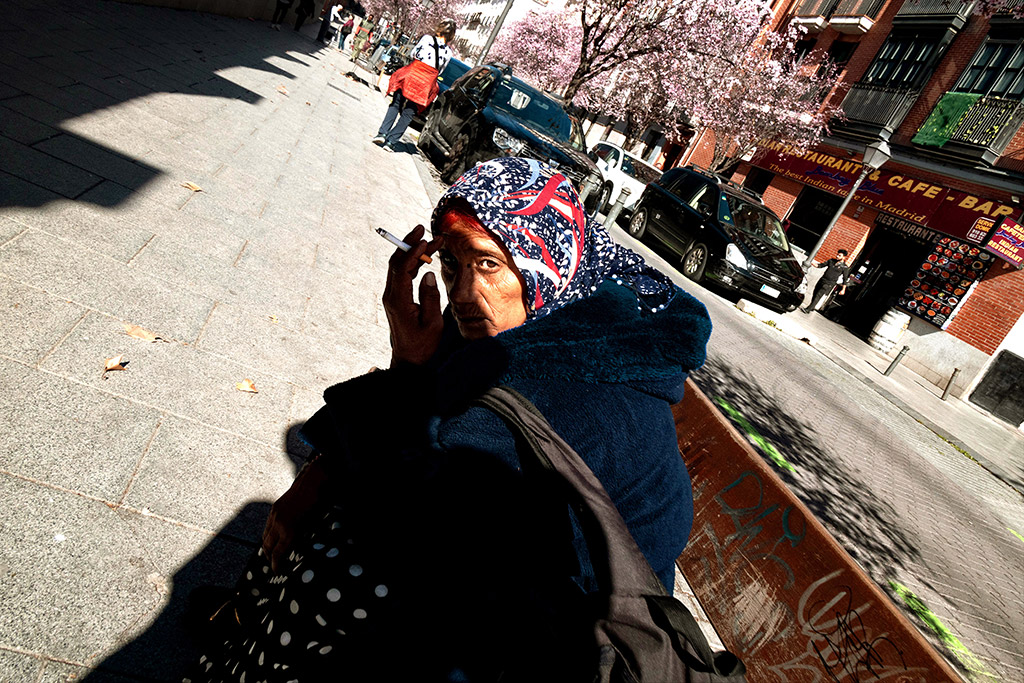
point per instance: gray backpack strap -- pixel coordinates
(652, 634)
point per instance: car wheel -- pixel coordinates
(638, 223)
(602, 202)
(426, 141)
(694, 261)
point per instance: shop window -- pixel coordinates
(903, 61)
(802, 48)
(840, 53)
(997, 69)
(758, 180)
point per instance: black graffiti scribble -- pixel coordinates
(850, 652)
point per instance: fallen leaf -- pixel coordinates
(273, 319)
(112, 364)
(283, 90)
(141, 333)
(192, 186)
(247, 386)
(307, 104)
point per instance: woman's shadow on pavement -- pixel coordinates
(171, 645)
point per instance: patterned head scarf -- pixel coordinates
(562, 254)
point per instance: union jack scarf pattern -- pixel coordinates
(562, 254)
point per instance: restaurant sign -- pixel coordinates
(1007, 242)
(951, 212)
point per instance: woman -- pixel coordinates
(414, 86)
(440, 560)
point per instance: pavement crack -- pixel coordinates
(240, 253)
(60, 341)
(205, 323)
(138, 463)
(141, 249)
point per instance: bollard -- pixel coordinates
(949, 384)
(590, 185)
(616, 208)
(896, 360)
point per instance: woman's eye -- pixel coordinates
(489, 263)
(447, 260)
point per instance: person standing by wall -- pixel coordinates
(305, 10)
(414, 86)
(836, 275)
(327, 16)
(279, 13)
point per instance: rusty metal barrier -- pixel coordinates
(782, 594)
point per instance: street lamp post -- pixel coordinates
(875, 154)
(494, 33)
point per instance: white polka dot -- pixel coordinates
(307, 576)
(266, 570)
(355, 570)
(334, 595)
(270, 626)
(280, 598)
(380, 591)
(312, 644)
(248, 575)
(241, 679)
(260, 660)
(359, 614)
(320, 620)
(325, 649)
(286, 638)
(294, 607)
(318, 546)
(333, 552)
(255, 592)
(336, 525)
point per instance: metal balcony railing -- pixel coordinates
(858, 8)
(815, 8)
(991, 122)
(935, 13)
(874, 111)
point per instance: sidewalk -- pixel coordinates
(125, 489)
(997, 446)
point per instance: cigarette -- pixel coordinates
(400, 244)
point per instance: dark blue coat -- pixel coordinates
(603, 373)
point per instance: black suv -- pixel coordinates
(487, 113)
(722, 233)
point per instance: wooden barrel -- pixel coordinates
(888, 331)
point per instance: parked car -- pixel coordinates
(621, 169)
(722, 234)
(488, 113)
(455, 70)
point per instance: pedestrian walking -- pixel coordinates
(836, 275)
(345, 32)
(414, 87)
(279, 13)
(408, 467)
(328, 14)
(305, 10)
(363, 32)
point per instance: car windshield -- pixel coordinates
(757, 222)
(635, 168)
(534, 107)
(453, 71)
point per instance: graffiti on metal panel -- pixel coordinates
(750, 558)
(840, 646)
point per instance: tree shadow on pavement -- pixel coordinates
(93, 55)
(868, 528)
(170, 646)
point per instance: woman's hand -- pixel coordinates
(290, 511)
(415, 328)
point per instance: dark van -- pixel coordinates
(722, 234)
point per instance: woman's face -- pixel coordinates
(483, 284)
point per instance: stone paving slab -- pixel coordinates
(224, 471)
(87, 226)
(46, 171)
(19, 668)
(91, 443)
(64, 542)
(174, 377)
(33, 322)
(99, 282)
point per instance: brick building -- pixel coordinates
(944, 88)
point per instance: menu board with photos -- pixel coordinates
(943, 279)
